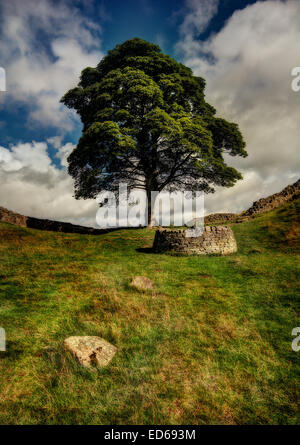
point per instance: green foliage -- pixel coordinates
(146, 122)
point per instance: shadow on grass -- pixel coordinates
(145, 250)
(13, 350)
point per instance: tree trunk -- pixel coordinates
(151, 219)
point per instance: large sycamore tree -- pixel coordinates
(146, 123)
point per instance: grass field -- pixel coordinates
(211, 345)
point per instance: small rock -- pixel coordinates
(90, 350)
(256, 250)
(142, 283)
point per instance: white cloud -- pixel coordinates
(247, 66)
(197, 16)
(32, 185)
(25, 155)
(63, 152)
(45, 45)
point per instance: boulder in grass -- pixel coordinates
(142, 283)
(90, 350)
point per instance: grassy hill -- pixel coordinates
(212, 343)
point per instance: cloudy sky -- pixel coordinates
(245, 49)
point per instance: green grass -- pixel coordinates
(211, 345)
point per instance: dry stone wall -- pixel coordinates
(12, 217)
(46, 224)
(263, 205)
(217, 218)
(214, 240)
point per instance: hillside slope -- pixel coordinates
(263, 205)
(211, 344)
(289, 193)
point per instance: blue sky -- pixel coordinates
(245, 49)
(157, 21)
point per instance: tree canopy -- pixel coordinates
(146, 123)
